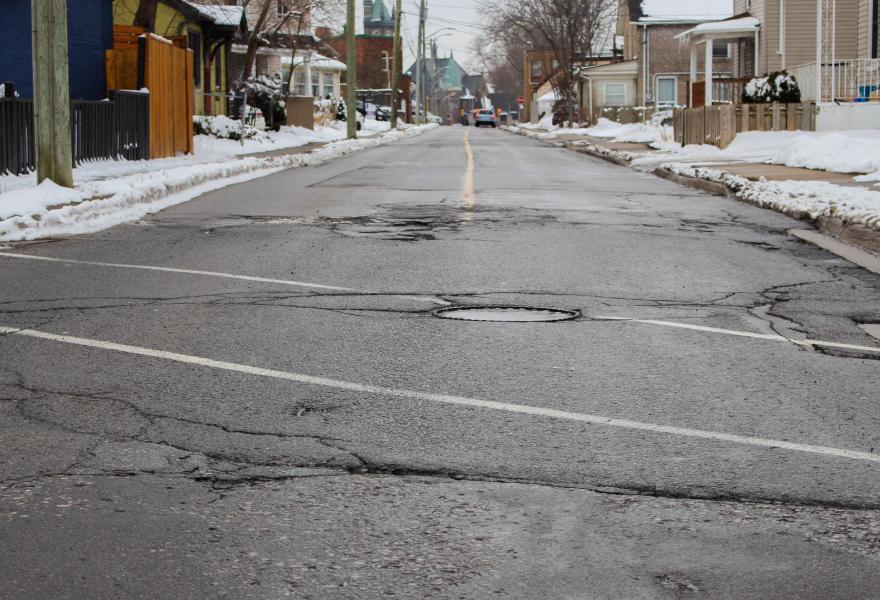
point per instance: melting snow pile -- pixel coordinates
(112, 192)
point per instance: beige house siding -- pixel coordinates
(864, 28)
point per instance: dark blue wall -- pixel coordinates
(89, 31)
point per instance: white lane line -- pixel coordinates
(760, 336)
(304, 284)
(455, 400)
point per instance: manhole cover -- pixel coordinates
(517, 314)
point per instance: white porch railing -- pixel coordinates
(847, 79)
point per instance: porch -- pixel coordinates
(851, 80)
(742, 33)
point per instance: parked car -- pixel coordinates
(340, 115)
(383, 113)
(485, 117)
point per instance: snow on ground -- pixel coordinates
(644, 133)
(839, 152)
(108, 193)
(800, 199)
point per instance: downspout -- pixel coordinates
(781, 50)
(645, 51)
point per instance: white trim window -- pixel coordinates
(327, 84)
(721, 51)
(299, 83)
(667, 91)
(615, 94)
(316, 84)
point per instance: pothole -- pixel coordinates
(508, 314)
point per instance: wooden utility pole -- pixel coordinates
(350, 72)
(395, 66)
(51, 92)
(420, 59)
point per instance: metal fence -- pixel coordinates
(851, 79)
(106, 129)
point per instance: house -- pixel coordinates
(281, 28)
(443, 80)
(208, 30)
(540, 66)
(655, 70)
(374, 47)
(797, 35)
(89, 35)
(314, 74)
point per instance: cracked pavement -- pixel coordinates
(126, 476)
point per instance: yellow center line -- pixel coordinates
(467, 195)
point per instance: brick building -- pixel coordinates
(374, 47)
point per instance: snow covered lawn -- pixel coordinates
(108, 193)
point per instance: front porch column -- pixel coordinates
(307, 73)
(694, 56)
(710, 43)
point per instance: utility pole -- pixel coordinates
(350, 73)
(395, 66)
(51, 92)
(420, 66)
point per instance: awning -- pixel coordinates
(737, 27)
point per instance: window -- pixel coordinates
(554, 65)
(537, 70)
(327, 78)
(218, 69)
(316, 84)
(667, 91)
(299, 83)
(282, 8)
(875, 29)
(194, 43)
(384, 59)
(721, 51)
(615, 94)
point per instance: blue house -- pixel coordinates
(89, 34)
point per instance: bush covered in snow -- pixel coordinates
(778, 86)
(266, 93)
(223, 127)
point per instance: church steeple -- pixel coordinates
(378, 20)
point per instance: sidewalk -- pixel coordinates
(112, 192)
(845, 205)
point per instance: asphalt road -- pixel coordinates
(277, 413)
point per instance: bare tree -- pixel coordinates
(145, 16)
(573, 30)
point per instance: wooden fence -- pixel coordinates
(167, 71)
(301, 111)
(141, 60)
(718, 125)
(98, 130)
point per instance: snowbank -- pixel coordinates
(800, 199)
(48, 210)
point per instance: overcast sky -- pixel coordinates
(455, 22)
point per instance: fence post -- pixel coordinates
(51, 92)
(744, 120)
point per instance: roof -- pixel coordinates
(380, 13)
(737, 26)
(318, 61)
(626, 67)
(220, 16)
(681, 10)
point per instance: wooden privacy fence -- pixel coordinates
(167, 71)
(112, 129)
(718, 125)
(301, 111)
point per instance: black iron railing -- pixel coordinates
(105, 129)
